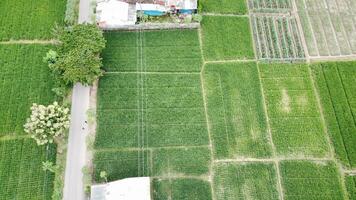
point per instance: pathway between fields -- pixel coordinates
(78, 131)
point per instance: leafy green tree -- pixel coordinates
(78, 65)
(78, 58)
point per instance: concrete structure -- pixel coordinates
(120, 13)
(125, 189)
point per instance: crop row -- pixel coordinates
(292, 108)
(277, 38)
(335, 90)
(235, 109)
(270, 5)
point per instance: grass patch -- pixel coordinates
(30, 19)
(24, 79)
(167, 50)
(292, 108)
(227, 38)
(148, 162)
(235, 109)
(21, 171)
(245, 181)
(150, 107)
(310, 180)
(350, 182)
(336, 86)
(181, 189)
(225, 6)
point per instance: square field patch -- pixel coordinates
(226, 38)
(238, 7)
(150, 110)
(311, 180)
(21, 171)
(163, 162)
(235, 110)
(24, 80)
(30, 19)
(181, 189)
(166, 50)
(245, 181)
(293, 111)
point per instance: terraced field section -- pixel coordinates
(226, 38)
(21, 171)
(238, 7)
(293, 112)
(268, 6)
(336, 86)
(24, 79)
(245, 181)
(329, 27)
(162, 51)
(235, 109)
(311, 180)
(30, 19)
(153, 122)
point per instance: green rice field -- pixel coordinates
(336, 85)
(224, 6)
(30, 19)
(25, 79)
(206, 119)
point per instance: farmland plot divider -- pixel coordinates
(211, 146)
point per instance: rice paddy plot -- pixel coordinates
(24, 79)
(30, 19)
(329, 27)
(235, 109)
(270, 6)
(277, 38)
(162, 162)
(226, 38)
(165, 50)
(238, 7)
(159, 109)
(350, 182)
(293, 111)
(21, 173)
(311, 180)
(245, 181)
(336, 87)
(181, 189)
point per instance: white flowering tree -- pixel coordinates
(47, 123)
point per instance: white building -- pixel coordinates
(125, 189)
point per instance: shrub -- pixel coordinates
(47, 123)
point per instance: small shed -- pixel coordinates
(111, 13)
(125, 189)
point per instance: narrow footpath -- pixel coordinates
(78, 131)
